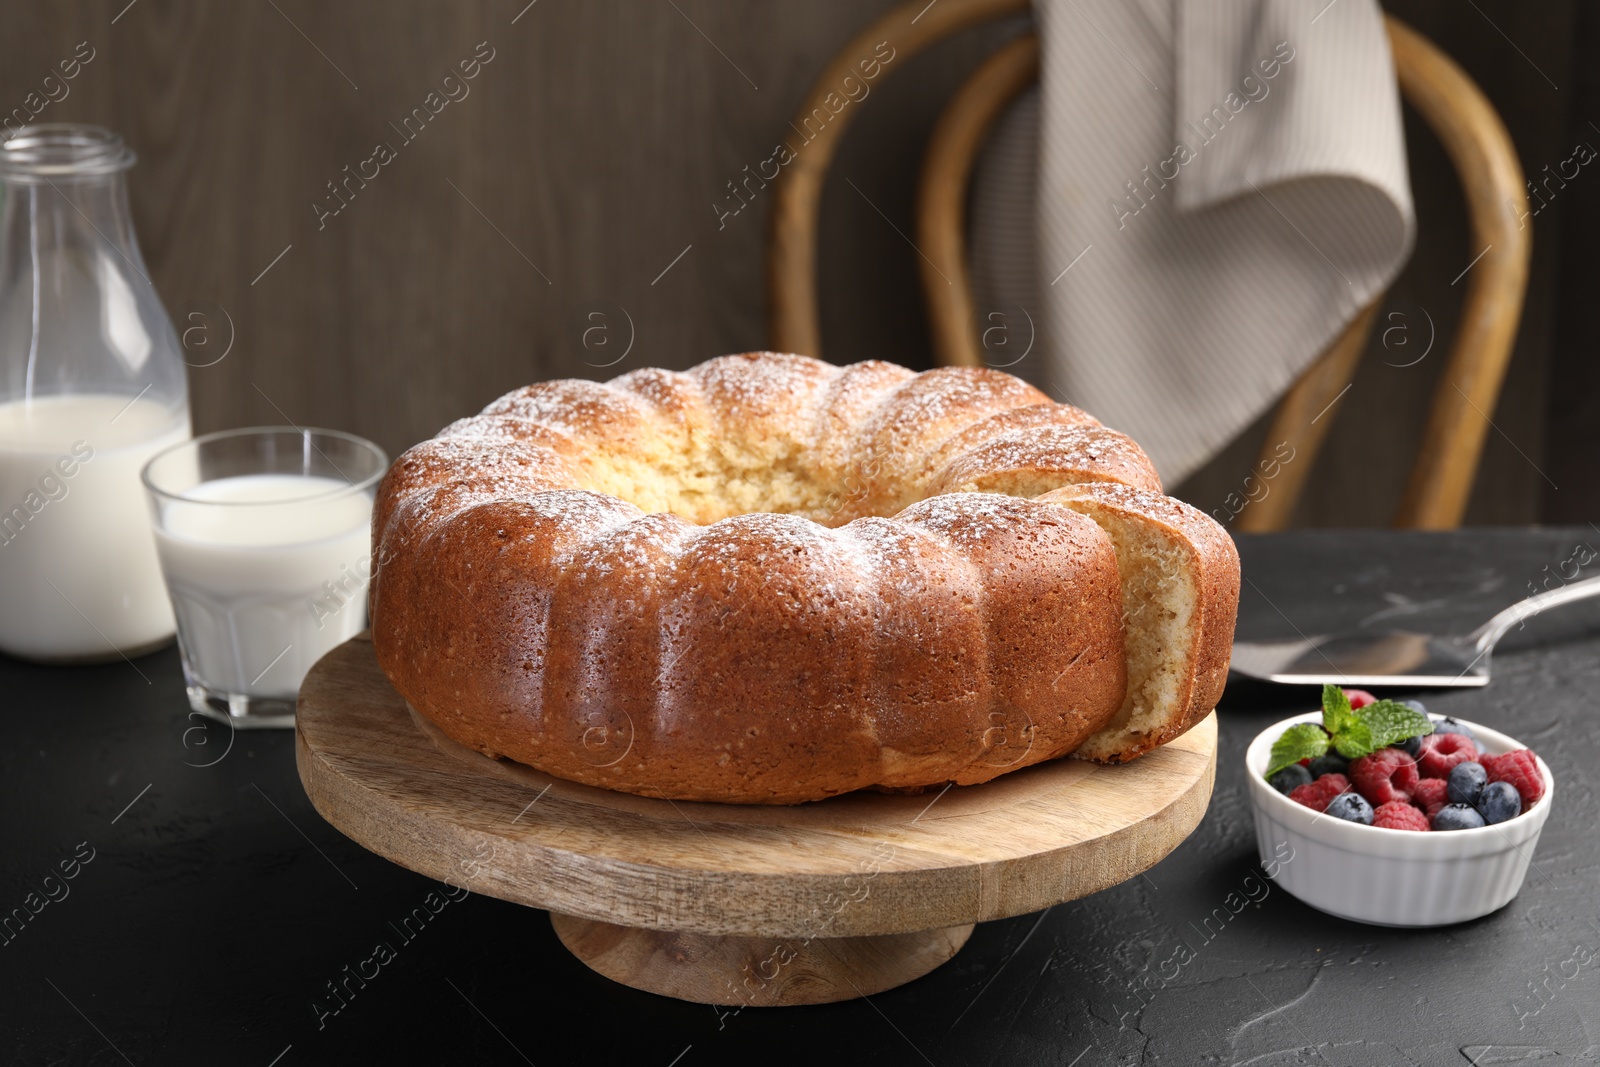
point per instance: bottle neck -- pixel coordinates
(78, 311)
(63, 184)
(53, 150)
(69, 215)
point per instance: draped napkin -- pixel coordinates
(1197, 199)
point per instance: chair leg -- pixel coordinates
(1492, 182)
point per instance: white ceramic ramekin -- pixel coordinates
(1392, 877)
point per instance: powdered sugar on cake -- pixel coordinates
(792, 579)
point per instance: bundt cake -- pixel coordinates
(772, 580)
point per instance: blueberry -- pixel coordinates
(1352, 807)
(1498, 802)
(1290, 778)
(1466, 782)
(1414, 705)
(1331, 763)
(1457, 817)
(1448, 725)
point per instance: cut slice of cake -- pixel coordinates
(1180, 595)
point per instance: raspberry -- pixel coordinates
(1386, 775)
(1521, 769)
(1398, 815)
(1489, 762)
(1431, 794)
(1359, 698)
(1316, 795)
(1441, 752)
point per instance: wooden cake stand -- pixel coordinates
(737, 904)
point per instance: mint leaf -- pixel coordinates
(1355, 740)
(1391, 722)
(1357, 732)
(1303, 740)
(1336, 712)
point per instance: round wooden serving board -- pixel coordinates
(727, 903)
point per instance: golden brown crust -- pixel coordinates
(924, 410)
(1034, 460)
(1012, 420)
(1214, 560)
(762, 658)
(714, 663)
(850, 401)
(1053, 608)
(584, 411)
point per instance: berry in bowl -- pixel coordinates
(1393, 816)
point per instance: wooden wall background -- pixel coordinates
(580, 174)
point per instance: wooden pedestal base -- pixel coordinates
(756, 972)
(722, 903)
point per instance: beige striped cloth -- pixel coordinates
(1198, 197)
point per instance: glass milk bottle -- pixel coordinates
(91, 386)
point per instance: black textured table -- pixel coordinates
(210, 908)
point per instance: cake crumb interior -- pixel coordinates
(1159, 601)
(706, 477)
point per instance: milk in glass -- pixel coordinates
(267, 573)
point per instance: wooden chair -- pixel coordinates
(1463, 119)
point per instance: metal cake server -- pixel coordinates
(1394, 657)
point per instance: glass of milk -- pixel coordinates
(264, 537)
